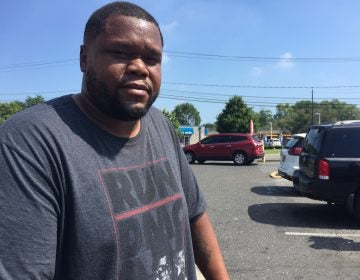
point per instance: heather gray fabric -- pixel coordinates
(79, 203)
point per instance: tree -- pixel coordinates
(210, 126)
(7, 109)
(298, 117)
(187, 114)
(31, 101)
(235, 117)
(264, 118)
(172, 118)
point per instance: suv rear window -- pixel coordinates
(342, 142)
(290, 143)
(312, 144)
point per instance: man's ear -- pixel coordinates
(83, 58)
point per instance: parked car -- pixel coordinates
(239, 147)
(273, 143)
(330, 164)
(289, 157)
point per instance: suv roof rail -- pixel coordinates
(347, 122)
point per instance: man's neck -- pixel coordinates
(125, 129)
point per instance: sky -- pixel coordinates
(268, 52)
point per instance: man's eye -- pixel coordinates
(153, 60)
(120, 54)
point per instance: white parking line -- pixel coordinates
(323, 234)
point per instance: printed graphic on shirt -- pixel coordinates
(148, 213)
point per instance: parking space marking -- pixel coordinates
(323, 234)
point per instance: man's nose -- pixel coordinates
(137, 66)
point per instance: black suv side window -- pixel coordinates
(342, 142)
(312, 144)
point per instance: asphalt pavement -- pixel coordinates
(267, 231)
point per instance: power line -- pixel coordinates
(251, 96)
(201, 93)
(258, 104)
(261, 87)
(260, 58)
(200, 55)
(34, 64)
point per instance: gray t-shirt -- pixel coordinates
(79, 203)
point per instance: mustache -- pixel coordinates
(136, 84)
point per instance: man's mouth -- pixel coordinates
(139, 89)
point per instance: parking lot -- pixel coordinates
(267, 231)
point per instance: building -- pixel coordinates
(192, 134)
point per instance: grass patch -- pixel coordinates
(272, 151)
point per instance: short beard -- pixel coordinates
(108, 103)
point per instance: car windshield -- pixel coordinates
(256, 138)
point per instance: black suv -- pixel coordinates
(329, 164)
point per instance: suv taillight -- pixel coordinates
(295, 151)
(324, 169)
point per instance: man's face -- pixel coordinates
(122, 67)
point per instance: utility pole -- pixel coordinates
(312, 106)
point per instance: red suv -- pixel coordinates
(240, 147)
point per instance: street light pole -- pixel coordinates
(319, 119)
(270, 130)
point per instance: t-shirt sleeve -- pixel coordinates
(194, 197)
(29, 212)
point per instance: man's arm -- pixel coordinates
(207, 252)
(29, 214)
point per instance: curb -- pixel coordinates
(275, 175)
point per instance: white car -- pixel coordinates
(289, 157)
(273, 143)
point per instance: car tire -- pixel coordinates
(295, 181)
(356, 206)
(190, 156)
(240, 158)
(250, 161)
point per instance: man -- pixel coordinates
(95, 185)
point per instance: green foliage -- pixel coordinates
(7, 109)
(31, 101)
(235, 117)
(210, 126)
(298, 117)
(187, 114)
(172, 118)
(264, 117)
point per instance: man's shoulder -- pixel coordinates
(157, 116)
(35, 117)
(155, 112)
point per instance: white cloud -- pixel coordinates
(257, 71)
(169, 27)
(285, 61)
